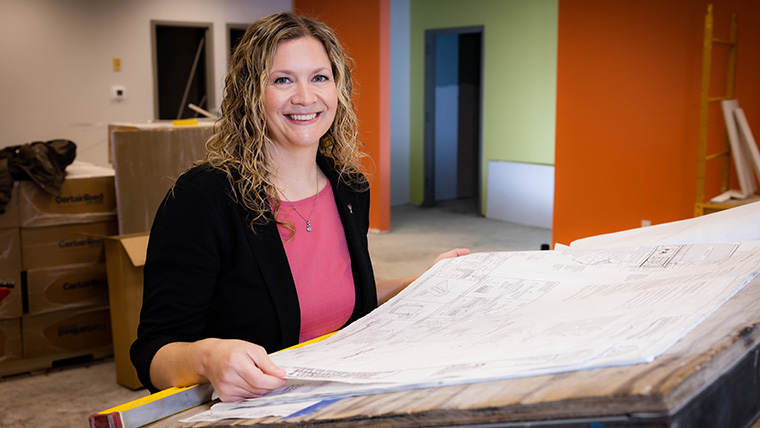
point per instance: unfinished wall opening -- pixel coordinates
(453, 117)
(235, 33)
(182, 68)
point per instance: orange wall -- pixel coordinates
(363, 28)
(628, 83)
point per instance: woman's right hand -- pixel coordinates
(238, 369)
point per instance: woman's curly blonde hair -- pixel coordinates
(240, 144)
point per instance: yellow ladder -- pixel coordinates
(701, 207)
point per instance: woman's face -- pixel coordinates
(300, 98)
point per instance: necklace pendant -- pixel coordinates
(313, 207)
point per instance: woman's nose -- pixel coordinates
(304, 94)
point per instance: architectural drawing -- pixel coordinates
(514, 314)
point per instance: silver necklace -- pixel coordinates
(307, 220)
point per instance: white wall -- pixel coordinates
(521, 193)
(399, 102)
(56, 66)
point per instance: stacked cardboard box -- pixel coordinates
(61, 301)
(11, 307)
(147, 159)
(59, 245)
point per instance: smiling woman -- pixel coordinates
(264, 243)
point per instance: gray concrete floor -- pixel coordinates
(65, 397)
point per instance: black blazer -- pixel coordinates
(207, 274)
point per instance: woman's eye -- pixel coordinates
(281, 80)
(321, 78)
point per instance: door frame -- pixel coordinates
(208, 58)
(228, 30)
(429, 114)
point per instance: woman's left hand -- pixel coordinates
(388, 289)
(456, 252)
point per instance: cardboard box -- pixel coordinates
(10, 251)
(66, 287)
(10, 273)
(9, 218)
(125, 258)
(10, 340)
(87, 195)
(65, 331)
(65, 244)
(147, 159)
(12, 306)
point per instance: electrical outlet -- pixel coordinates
(645, 223)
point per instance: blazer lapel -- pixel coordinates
(350, 210)
(272, 261)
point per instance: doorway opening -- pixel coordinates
(453, 118)
(182, 68)
(235, 33)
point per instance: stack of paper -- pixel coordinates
(491, 316)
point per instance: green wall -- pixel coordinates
(519, 78)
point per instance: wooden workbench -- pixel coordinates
(710, 379)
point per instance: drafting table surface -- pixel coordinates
(709, 378)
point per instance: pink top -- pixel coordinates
(320, 264)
